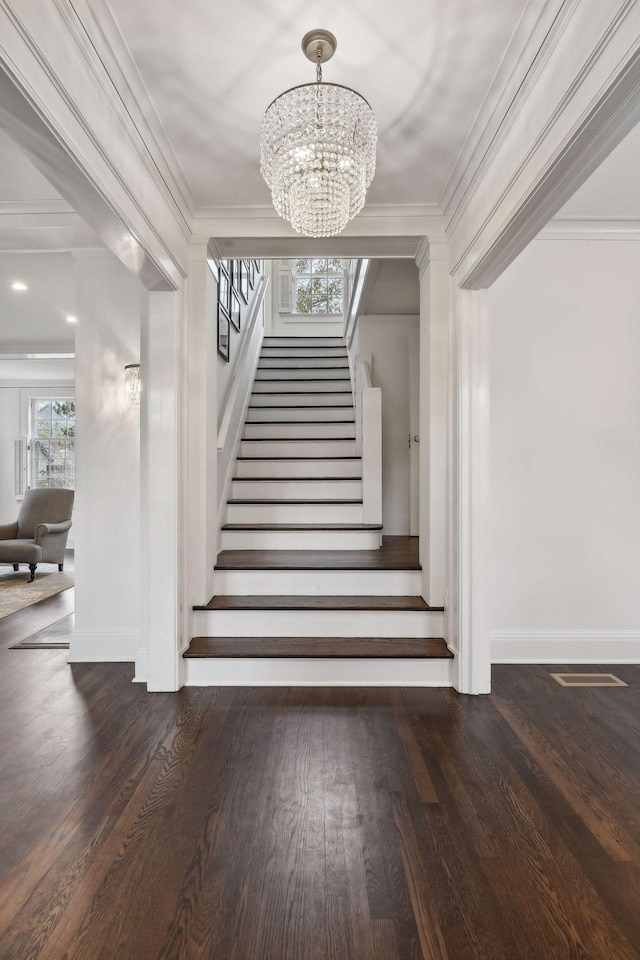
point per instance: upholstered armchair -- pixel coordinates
(39, 535)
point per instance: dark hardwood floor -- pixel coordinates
(396, 553)
(314, 824)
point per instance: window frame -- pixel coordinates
(33, 439)
(295, 275)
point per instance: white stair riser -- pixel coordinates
(294, 513)
(316, 623)
(268, 363)
(321, 672)
(303, 353)
(300, 539)
(284, 489)
(318, 583)
(301, 399)
(277, 414)
(313, 374)
(298, 468)
(299, 431)
(304, 342)
(297, 448)
(301, 386)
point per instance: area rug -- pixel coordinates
(16, 592)
(54, 637)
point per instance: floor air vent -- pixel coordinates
(588, 680)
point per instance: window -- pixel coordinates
(318, 286)
(53, 431)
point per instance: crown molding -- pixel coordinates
(40, 208)
(37, 384)
(591, 228)
(37, 350)
(113, 65)
(488, 128)
(548, 154)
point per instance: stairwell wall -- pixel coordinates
(565, 453)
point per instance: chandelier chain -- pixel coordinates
(319, 65)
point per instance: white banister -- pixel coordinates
(368, 401)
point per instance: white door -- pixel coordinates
(414, 432)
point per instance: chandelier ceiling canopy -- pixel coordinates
(318, 149)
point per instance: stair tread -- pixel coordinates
(428, 648)
(396, 553)
(297, 423)
(289, 478)
(302, 526)
(290, 500)
(311, 459)
(301, 406)
(286, 602)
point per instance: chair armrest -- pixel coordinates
(46, 529)
(9, 531)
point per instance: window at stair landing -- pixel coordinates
(318, 286)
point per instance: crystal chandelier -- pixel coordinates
(318, 149)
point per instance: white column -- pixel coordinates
(469, 491)
(202, 396)
(106, 523)
(165, 605)
(434, 346)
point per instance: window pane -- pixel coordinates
(319, 295)
(320, 266)
(335, 266)
(303, 266)
(303, 296)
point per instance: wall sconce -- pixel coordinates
(132, 384)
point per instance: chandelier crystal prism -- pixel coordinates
(318, 149)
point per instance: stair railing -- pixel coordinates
(368, 410)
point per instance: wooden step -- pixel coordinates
(300, 430)
(266, 602)
(340, 647)
(283, 467)
(341, 398)
(306, 414)
(396, 553)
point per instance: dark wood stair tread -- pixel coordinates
(270, 602)
(294, 440)
(335, 647)
(396, 553)
(292, 502)
(309, 459)
(275, 423)
(304, 393)
(299, 406)
(302, 526)
(296, 479)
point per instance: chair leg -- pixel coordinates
(60, 567)
(32, 568)
(16, 567)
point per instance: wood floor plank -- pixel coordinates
(315, 823)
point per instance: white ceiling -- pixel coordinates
(613, 190)
(39, 312)
(19, 179)
(211, 69)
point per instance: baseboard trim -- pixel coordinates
(565, 646)
(88, 646)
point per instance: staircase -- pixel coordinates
(306, 592)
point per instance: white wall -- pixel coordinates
(388, 340)
(565, 452)
(396, 289)
(110, 302)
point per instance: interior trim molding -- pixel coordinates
(565, 646)
(591, 228)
